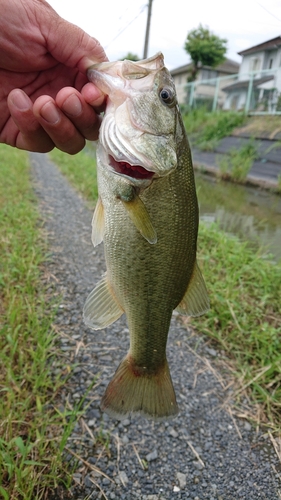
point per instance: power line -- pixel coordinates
(127, 25)
(268, 11)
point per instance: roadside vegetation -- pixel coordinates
(33, 430)
(245, 316)
(203, 125)
(205, 129)
(266, 127)
(238, 162)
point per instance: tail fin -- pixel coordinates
(135, 390)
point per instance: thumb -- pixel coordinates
(70, 45)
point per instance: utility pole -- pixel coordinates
(145, 50)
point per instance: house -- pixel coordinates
(258, 87)
(206, 81)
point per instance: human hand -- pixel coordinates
(45, 97)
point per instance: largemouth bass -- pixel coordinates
(147, 216)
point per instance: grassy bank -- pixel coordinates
(245, 291)
(205, 129)
(205, 126)
(32, 431)
(245, 314)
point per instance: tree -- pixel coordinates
(205, 49)
(130, 57)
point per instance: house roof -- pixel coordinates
(228, 66)
(268, 45)
(241, 84)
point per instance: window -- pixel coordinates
(209, 74)
(255, 64)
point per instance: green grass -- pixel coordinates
(33, 432)
(245, 313)
(238, 162)
(244, 318)
(206, 128)
(79, 169)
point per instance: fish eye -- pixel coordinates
(167, 95)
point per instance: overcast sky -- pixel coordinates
(119, 25)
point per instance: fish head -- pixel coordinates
(139, 125)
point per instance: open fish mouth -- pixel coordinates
(134, 171)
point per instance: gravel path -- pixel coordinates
(204, 453)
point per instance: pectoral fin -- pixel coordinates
(98, 223)
(101, 307)
(141, 218)
(195, 301)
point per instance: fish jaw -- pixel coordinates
(124, 171)
(117, 81)
(131, 171)
(116, 76)
(147, 155)
(138, 127)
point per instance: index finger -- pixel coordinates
(94, 97)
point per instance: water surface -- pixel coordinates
(253, 214)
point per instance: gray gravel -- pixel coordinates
(206, 452)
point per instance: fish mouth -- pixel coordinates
(133, 171)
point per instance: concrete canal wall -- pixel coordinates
(266, 168)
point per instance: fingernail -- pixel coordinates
(20, 100)
(50, 113)
(72, 105)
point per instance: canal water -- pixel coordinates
(250, 213)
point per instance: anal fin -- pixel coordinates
(195, 301)
(141, 218)
(98, 223)
(101, 308)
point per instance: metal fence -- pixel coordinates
(257, 92)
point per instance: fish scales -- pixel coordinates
(149, 227)
(145, 288)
